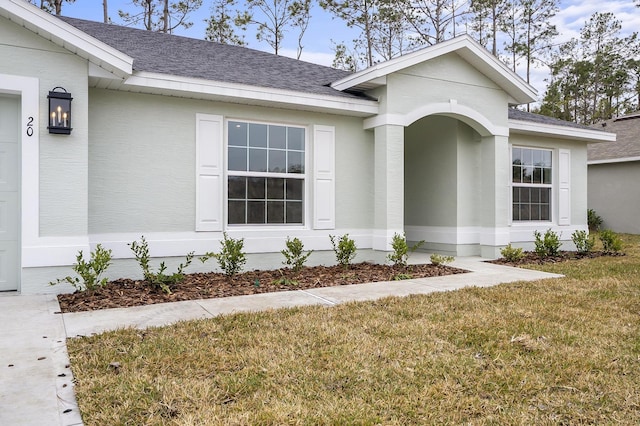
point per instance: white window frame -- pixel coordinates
(306, 176)
(553, 186)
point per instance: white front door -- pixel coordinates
(9, 192)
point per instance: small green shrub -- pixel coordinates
(438, 259)
(294, 255)
(547, 246)
(512, 254)
(89, 272)
(231, 258)
(157, 279)
(401, 250)
(584, 242)
(594, 221)
(345, 249)
(611, 242)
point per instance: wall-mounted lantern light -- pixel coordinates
(59, 112)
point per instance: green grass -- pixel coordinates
(562, 351)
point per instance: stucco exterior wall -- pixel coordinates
(614, 193)
(431, 172)
(63, 158)
(142, 161)
(439, 81)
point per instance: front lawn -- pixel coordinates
(559, 351)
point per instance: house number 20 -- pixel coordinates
(30, 126)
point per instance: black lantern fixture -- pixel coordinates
(59, 111)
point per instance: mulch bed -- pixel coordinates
(126, 292)
(532, 258)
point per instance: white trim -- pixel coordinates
(614, 160)
(467, 48)
(473, 118)
(556, 131)
(67, 36)
(198, 88)
(463, 235)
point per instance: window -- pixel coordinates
(531, 182)
(265, 174)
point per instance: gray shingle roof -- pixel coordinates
(516, 114)
(188, 57)
(627, 144)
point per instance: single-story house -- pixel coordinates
(109, 133)
(614, 175)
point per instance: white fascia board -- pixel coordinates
(614, 160)
(591, 136)
(67, 36)
(467, 48)
(197, 87)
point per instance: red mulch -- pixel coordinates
(125, 292)
(531, 258)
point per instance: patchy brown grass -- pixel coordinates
(561, 351)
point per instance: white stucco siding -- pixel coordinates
(431, 172)
(469, 177)
(142, 161)
(62, 158)
(614, 194)
(441, 80)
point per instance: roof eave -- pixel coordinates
(195, 88)
(67, 36)
(562, 132)
(520, 91)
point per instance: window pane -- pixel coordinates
(545, 213)
(238, 159)
(296, 162)
(535, 195)
(537, 157)
(256, 190)
(277, 137)
(237, 133)
(546, 158)
(516, 156)
(526, 157)
(294, 189)
(516, 211)
(236, 212)
(516, 195)
(294, 212)
(275, 189)
(275, 212)
(517, 174)
(537, 175)
(535, 212)
(237, 187)
(527, 175)
(257, 160)
(258, 135)
(256, 212)
(525, 195)
(546, 176)
(277, 161)
(524, 212)
(296, 138)
(545, 195)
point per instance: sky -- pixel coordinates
(323, 29)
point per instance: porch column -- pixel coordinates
(495, 197)
(388, 185)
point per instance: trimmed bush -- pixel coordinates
(90, 271)
(157, 279)
(401, 250)
(584, 242)
(439, 260)
(547, 246)
(594, 221)
(294, 255)
(611, 242)
(345, 249)
(512, 254)
(231, 258)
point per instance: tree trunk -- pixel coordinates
(165, 17)
(105, 11)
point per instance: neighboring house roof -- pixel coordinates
(627, 145)
(530, 123)
(187, 57)
(464, 46)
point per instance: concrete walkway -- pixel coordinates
(36, 384)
